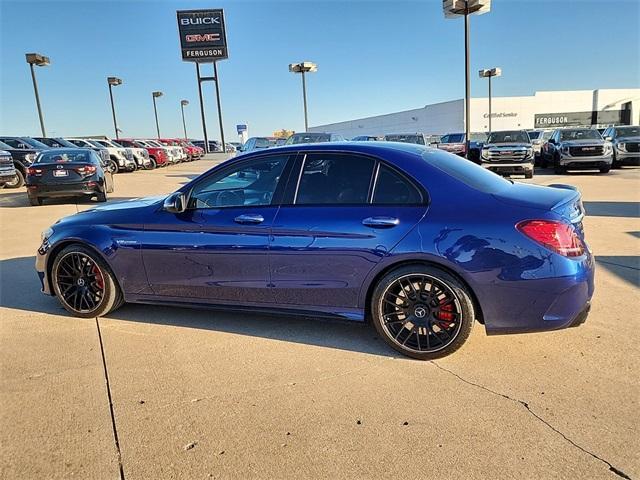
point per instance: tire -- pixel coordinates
(96, 276)
(101, 197)
(114, 166)
(615, 163)
(428, 315)
(18, 181)
(528, 174)
(557, 168)
(35, 201)
(605, 169)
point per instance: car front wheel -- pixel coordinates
(17, 182)
(84, 283)
(422, 312)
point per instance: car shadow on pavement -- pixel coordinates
(626, 268)
(612, 209)
(20, 290)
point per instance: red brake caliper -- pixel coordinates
(445, 315)
(99, 279)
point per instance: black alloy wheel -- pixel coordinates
(422, 312)
(83, 283)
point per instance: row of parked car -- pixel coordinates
(17, 154)
(510, 152)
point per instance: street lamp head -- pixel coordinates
(303, 67)
(490, 72)
(184, 103)
(156, 94)
(37, 59)
(455, 8)
(114, 81)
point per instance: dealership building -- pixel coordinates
(602, 107)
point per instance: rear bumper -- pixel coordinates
(536, 305)
(65, 190)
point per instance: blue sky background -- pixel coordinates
(374, 57)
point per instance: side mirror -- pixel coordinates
(608, 139)
(552, 141)
(175, 203)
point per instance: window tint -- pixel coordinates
(394, 189)
(13, 143)
(251, 183)
(332, 178)
(469, 173)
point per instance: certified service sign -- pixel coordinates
(202, 35)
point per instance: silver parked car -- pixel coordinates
(625, 141)
(578, 149)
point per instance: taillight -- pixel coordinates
(557, 236)
(34, 171)
(86, 170)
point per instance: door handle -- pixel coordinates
(380, 222)
(251, 219)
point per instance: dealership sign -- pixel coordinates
(575, 119)
(202, 35)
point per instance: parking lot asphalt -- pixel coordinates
(159, 392)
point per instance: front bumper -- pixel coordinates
(7, 175)
(628, 158)
(509, 168)
(585, 162)
(64, 190)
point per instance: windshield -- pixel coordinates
(547, 135)
(64, 156)
(4, 146)
(34, 143)
(453, 138)
(515, 136)
(478, 137)
(622, 132)
(582, 134)
(96, 143)
(535, 135)
(417, 139)
(308, 138)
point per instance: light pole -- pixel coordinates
(302, 68)
(39, 61)
(454, 9)
(488, 73)
(113, 82)
(155, 109)
(184, 103)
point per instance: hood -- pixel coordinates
(627, 140)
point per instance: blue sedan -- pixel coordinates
(416, 240)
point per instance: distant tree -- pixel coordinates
(283, 133)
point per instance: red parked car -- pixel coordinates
(195, 153)
(158, 155)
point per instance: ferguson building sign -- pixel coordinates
(202, 35)
(575, 119)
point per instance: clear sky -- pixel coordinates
(374, 57)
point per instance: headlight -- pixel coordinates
(621, 147)
(607, 148)
(529, 152)
(565, 150)
(485, 153)
(46, 234)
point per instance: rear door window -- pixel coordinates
(335, 178)
(393, 188)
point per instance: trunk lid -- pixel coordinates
(63, 172)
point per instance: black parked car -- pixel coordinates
(66, 172)
(23, 154)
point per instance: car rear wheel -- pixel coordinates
(605, 169)
(422, 312)
(35, 201)
(528, 174)
(17, 182)
(84, 283)
(114, 166)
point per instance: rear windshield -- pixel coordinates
(65, 156)
(534, 135)
(417, 139)
(453, 138)
(516, 136)
(467, 172)
(308, 138)
(583, 134)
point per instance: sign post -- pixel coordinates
(203, 39)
